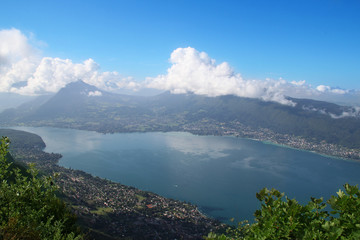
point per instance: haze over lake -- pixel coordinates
(219, 174)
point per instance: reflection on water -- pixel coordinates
(203, 147)
(59, 140)
(243, 163)
(219, 174)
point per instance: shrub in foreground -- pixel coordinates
(29, 208)
(284, 218)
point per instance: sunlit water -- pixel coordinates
(219, 174)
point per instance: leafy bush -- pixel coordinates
(284, 218)
(29, 208)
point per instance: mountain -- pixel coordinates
(77, 100)
(12, 100)
(27, 108)
(309, 118)
(83, 106)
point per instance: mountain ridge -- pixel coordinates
(74, 107)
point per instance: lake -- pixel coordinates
(221, 175)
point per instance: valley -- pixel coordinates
(309, 125)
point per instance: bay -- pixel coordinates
(221, 175)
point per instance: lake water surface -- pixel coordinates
(219, 174)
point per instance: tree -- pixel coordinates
(284, 218)
(29, 207)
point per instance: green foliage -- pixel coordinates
(29, 208)
(284, 218)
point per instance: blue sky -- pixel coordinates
(315, 41)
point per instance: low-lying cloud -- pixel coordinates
(95, 94)
(195, 72)
(23, 70)
(346, 112)
(352, 112)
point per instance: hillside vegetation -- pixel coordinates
(29, 208)
(284, 218)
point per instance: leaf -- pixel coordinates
(340, 193)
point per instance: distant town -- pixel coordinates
(266, 135)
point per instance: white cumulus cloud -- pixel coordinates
(195, 72)
(13, 46)
(24, 71)
(328, 89)
(192, 71)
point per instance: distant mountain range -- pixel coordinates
(83, 106)
(12, 100)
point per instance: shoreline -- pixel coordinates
(267, 137)
(92, 210)
(310, 151)
(105, 206)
